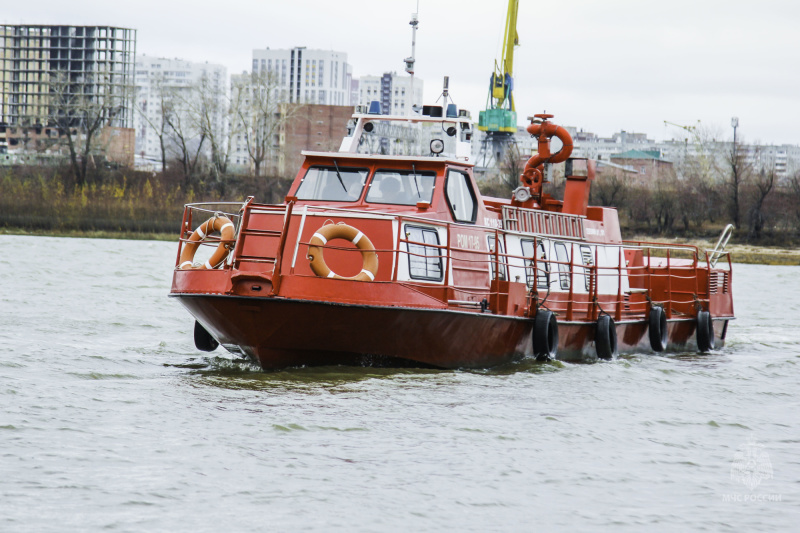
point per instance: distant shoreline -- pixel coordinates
(741, 253)
(125, 235)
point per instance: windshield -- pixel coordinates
(401, 187)
(325, 183)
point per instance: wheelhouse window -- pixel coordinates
(461, 198)
(332, 184)
(401, 187)
(542, 274)
(563, 264)
(424, 262)
(501, 259)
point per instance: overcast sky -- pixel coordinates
(601, 66)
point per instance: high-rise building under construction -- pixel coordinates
(98, 59)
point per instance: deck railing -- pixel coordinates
(197, 213)
(543, 222)
(680, 278)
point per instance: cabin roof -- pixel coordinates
(638, 154)
(379, 157)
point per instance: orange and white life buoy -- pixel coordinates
(342, 231)
(215, 223)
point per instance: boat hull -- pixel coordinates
(577, 340)
(281, 332)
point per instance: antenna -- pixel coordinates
(445, 96)
(410, 60)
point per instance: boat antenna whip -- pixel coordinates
(445, 96)
(411, 60)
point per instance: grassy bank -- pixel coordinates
(740, 252)
(115, 204)
(127, 204)
(93, 234)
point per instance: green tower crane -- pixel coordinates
(500, 115)
(499, 120)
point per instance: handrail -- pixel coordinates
(722, 243)
(210, 240)
(575, 304)
(624, 291)
(543, 222)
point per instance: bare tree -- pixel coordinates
(692, 201)
(511, 167)
(187, 140)
(214, 114)
(664, 203)
(611, 187)
(794, 197)
(261, 115)
(698, 158)
(80, 108)
(739, 171)
(697, 168)
(762, 184)
(165, 100)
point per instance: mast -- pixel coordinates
(410, 60)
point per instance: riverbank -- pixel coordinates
(92, 234)
(741, 253)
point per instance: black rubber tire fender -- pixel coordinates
(203, 340)
(605, 337)
(657, 329)
(545, 335)
(705, 332)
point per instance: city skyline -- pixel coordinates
(619, 65)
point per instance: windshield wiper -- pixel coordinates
(414, 169)
(339, 175)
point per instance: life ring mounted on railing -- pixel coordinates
(341, 230)
(216, 223)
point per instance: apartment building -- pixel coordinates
(171, 83)
(307, 76)
(278, 131)
(93, 61)
(392, 91)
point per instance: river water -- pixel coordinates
(110, 419)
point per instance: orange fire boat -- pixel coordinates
(385, 253)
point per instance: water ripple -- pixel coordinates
(108, 409)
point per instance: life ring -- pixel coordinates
(215, 223)
(657, 329)
(545, 335)
(605, 337)
(705, 332)
(342, 231)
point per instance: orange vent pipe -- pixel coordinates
(532, 175)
